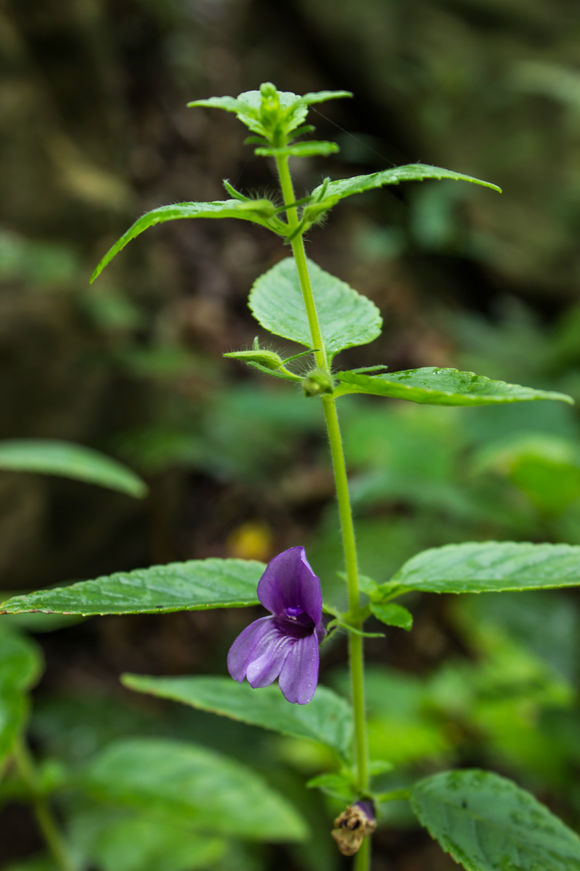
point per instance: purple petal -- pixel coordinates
(299, 674)
(289, 582)
(242, 650)
(268, 658)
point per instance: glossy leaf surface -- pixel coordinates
(327, 718)
(346, 318)
(69, 460)
(487, 823)
(189, 586)
(434, 386)
(188, 782)
(489, 566)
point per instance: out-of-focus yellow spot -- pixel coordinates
(252, 540)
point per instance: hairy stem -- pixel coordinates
(355, 646)
(44, 817)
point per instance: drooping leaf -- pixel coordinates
(488, 567)
(186, 782)
(69, 460)
(327, 718)
(258, 211)
(435, 386)
(392, 614)
(189, 586)
(293, 108)
(331, 192)
(487, 823)
(346, 318)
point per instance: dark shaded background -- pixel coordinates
(95, 131)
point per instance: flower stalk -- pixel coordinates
(355, 643)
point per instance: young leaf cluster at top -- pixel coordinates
(275, 119)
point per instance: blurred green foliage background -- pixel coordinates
(95, 131)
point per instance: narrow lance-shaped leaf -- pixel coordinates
(488, 567)
(327, 718)
(188, 586)
(488, 823)
(258, 211)
(346, 318)
(334, 191)
(194, 785)
(69, 460)
(435, 386)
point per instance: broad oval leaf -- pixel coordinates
(488, 823)
(346, 317)
(327, 718)
(257, 211)
(334, 191)
(69, 460)
(434, 386)
(392, 614)
(190, 586)
(488, 567)
(188, 782)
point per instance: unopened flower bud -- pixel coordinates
(353, 825)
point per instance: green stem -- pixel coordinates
(46, 822)
(355, 645)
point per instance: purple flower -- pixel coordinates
(284, 645)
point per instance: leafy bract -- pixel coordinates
(488, 567)
(329, 193)
(254, 109)
(69, 460)
(189, 586)
(346, 318)
(327, 718)
(258, 211)
(435, 386)
(488, 823)
(392, 614)
(186, 782)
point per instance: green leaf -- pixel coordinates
(258, 211)
(189, 586)
(20, 666)
(69, 460)
(488, 567)
(335, 785)
(346, 318)
(392, 614)
(122, 840)
(435, 386)
(300, 149)
(488, 823)
(358, 184)
(327, 718)
(186, 782)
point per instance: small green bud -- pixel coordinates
(316, 383)
(270, 107)
(268, 359)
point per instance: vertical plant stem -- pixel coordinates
(44, 817)
(355, 646)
